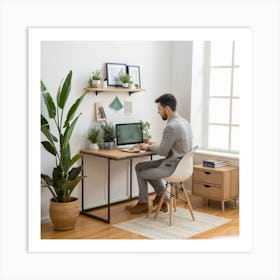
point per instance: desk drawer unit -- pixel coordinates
(221, 184)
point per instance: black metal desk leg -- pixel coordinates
(82, 184)
(109, 187)
(130, 176)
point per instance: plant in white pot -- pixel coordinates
(93, 137)
(64, 209)
(125, 79)
(95, 79)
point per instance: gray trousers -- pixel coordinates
(152, 172)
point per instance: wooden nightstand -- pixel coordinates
(221, 184)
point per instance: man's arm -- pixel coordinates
(166, 144)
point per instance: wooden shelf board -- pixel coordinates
(113, 89)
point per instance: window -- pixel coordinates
(222, 121)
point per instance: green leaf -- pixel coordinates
(57, 174)
(44, 122)
(74, 172)
(69, 186)
(73, 110)
(43, 87)
(65, 158)
(50, 105)
(49, 147)
(48, 135)
(47, 179)
(54, 138)
(58, 93)
(66, 87)
(68, 133)
(74, 159)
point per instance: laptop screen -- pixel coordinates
(129, 133)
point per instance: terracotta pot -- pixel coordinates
(64, 215)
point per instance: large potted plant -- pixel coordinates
(64, 209)
(108, 134)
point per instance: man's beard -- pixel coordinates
(164, 116)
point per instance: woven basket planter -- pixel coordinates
(64, 215)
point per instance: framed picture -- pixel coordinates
(134, 72)
(99, 111)
(127, 106)
(114, 72)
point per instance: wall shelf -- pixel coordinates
(115, 89)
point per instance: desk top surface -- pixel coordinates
(115, 153)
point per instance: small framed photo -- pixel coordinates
(114, 72)
(134, 72)
(99, 111)
(127, 106)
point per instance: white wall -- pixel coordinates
(159, 64)
(181, 76)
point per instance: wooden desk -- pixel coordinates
(110, 155)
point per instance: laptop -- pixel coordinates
(128, 135)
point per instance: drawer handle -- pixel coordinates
(207, 172)
(207, 186)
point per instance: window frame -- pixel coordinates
(231, 97)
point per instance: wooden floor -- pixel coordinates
(88, 228)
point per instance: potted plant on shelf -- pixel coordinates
(146, 133)
(93, 136)
(125, 79)
(131, 84)
(108, 135)
(95, 79)
(64, 209)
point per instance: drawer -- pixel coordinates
(208, 177)
(207, 191)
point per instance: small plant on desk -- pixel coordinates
(108, 135)
(93, 137)
(146, 132)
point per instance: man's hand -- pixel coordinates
(144, 146)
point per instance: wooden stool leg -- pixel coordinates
(151, 208)
(175, 194)
(223, 205)
(171, 205)
(160, 203)
(188, 200)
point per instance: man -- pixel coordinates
(176, 142)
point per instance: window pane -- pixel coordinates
(235, 82)
(235, 138)
(221, 53)
(220, 82)
(236, 53)
(218, 137)
(235, 111)
(219, 110)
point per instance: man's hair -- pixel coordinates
(167, 100)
